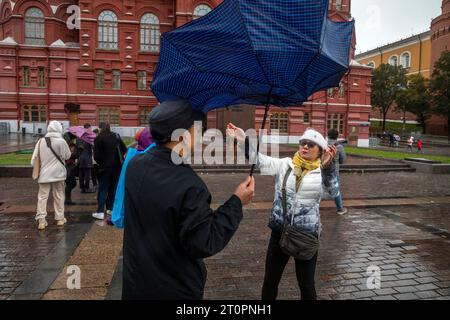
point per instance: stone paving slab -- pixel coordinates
(31, 259)
(96, 256)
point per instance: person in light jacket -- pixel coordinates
(52, 173)
(303, 194)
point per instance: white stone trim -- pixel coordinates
(77, 95)
(363, 143)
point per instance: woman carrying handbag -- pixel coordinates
(295, 219)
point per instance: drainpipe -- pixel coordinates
(420, 55)
(381, 53)
(47, 114)
(347, 134)
(17, 87)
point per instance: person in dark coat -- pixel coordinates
(71, 167)
(109, 150)
(169, 224)
(85, 163)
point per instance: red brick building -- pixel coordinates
(440, 42)
(50, 68)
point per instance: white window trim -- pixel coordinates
(396, 56)
(372, 62)
(410, 55)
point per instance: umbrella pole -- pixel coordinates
(266, 111)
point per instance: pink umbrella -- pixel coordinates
(84, 134)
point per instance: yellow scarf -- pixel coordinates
(302, 167)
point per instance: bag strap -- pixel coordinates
(119, 153)
(283, 190)
(49, 145)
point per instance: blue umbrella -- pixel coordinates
(254, 52)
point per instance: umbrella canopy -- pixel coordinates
(84, 134)
(254, 52)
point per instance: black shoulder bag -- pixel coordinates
(298, 244)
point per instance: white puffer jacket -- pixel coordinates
(302, 205)
(52, 170)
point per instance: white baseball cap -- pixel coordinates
(316, 137)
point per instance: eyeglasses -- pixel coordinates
(310, 144)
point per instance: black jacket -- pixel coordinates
(105, 150)
(169, 228)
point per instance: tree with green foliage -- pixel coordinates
(387, 82)
(440, 88)
(416, 99)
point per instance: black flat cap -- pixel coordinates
(169, 116)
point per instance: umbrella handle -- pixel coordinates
(266, 111)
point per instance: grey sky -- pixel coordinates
(379, 22)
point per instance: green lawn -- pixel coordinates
(15, 158)
(393, 154)
(24, 157)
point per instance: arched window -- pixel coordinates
(201, 10)
(34, 26)
(107, 30)
(6, 13)
(405, 60)
(371, 64)
(393, 61)
(150, 33)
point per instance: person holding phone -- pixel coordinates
(300, 180)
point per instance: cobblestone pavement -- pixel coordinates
(353, 186)
(23, 248)
(414, 258)
(410, 244)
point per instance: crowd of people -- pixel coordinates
(394, 141)
(62, 157)
(167, 207)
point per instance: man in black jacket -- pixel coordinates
(109, 150)
(169, 224)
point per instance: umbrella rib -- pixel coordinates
(318, 51)
(251, 43)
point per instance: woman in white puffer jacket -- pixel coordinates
(304, 187)
(52, 173)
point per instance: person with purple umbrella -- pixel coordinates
(85, 162)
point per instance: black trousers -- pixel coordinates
(71, 182)
(85, 177)
(276, 261)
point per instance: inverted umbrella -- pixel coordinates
(83, 134)
(254, 52)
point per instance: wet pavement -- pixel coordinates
(15, 141)
(414, 263)
(30, 259)
(409, 242)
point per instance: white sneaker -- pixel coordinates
(98, 215)
(108, 212)
(42, 224)
(62, 222)
(342, 211)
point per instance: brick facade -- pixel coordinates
(102, 70)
